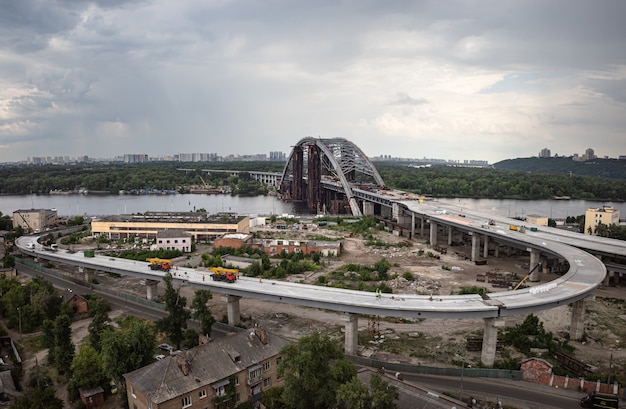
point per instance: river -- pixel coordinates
(96, 205)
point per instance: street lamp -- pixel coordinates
(19, 313)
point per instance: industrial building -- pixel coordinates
(200, 226)
(35, 220)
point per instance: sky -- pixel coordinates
(459, 80)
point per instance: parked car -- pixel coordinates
(159, 357)
(166, 347)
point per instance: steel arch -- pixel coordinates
(344, 158)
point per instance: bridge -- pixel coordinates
(336, 167)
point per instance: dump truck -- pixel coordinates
(160, 264)
(224, 274)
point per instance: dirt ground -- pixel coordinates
(427, 342)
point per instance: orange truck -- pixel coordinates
(160, 264)
(224, 274)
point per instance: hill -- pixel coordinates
(604, 168)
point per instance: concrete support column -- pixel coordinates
(151, 289)
(490, 340)
(421, 226)
(496, 250)
(368, 209)
(577, 326)
(352, 333)
(232, 308)
(485, 246)
(88, 273)
(475, 247)
(449, 235)
(433, 233)
(412, 225)
(534, 260)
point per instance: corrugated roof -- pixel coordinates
(165, 380)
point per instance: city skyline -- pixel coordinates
(469, 81)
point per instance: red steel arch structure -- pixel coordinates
(313, 160)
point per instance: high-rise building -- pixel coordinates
(545, 153)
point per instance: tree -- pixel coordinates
(383, 395)
(39, 398)
(99, 311)
(176, 322)
(202, 312)
(314, 367)
(63, 351)
(354, 394)
(127, 349)
(87, 370)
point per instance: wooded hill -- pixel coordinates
(603, 168)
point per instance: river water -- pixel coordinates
(96, 205)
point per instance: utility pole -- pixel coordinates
(19, 313)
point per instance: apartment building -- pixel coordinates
(235, 368)
(606, 215)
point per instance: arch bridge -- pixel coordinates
(317, 165)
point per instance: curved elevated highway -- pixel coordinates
(585, 273)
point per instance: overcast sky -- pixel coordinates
(485, 80)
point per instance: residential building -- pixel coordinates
(234, 368)
(173, 240)
(545, 153)
(35, 220)
(606, 215)
(200, 226)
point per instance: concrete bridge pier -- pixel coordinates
(485, 246)
(88, 273)
(577, 325)
(232, 308)
(496, 250)
(535, 258)
(433, 233)
(351, 343)
(368, 209)
(449, 235)
(475, 247)
(421, 226)
(490, 341)
(151, 289)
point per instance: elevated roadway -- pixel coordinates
(585, 273)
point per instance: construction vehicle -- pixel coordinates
(30, 228)
(224, 274)
(160, 264)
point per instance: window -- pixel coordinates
(132, 392)
(267, 382)
(254, 375)
(236, 381)
(202, 394)
(186, 401)
(267, 366)
(237, 397)
(220, 391)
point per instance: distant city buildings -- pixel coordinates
(588, 155)
(432, 161)
(545, 153)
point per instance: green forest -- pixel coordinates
(437, 181)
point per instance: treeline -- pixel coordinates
(17, 180)
(437, 181)
(445, 181)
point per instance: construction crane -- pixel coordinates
(526, 278)
(30, 229)
(160, 264)
(224, 274)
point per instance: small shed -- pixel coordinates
(78, 304)
(92, 397)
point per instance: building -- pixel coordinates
(233, 240)
(173, 240)
(237, 367)
(200, 226)
(78, 304)
(35, 220)
(605, 215)
(544, 153)
(537, 219)
(273, 247)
